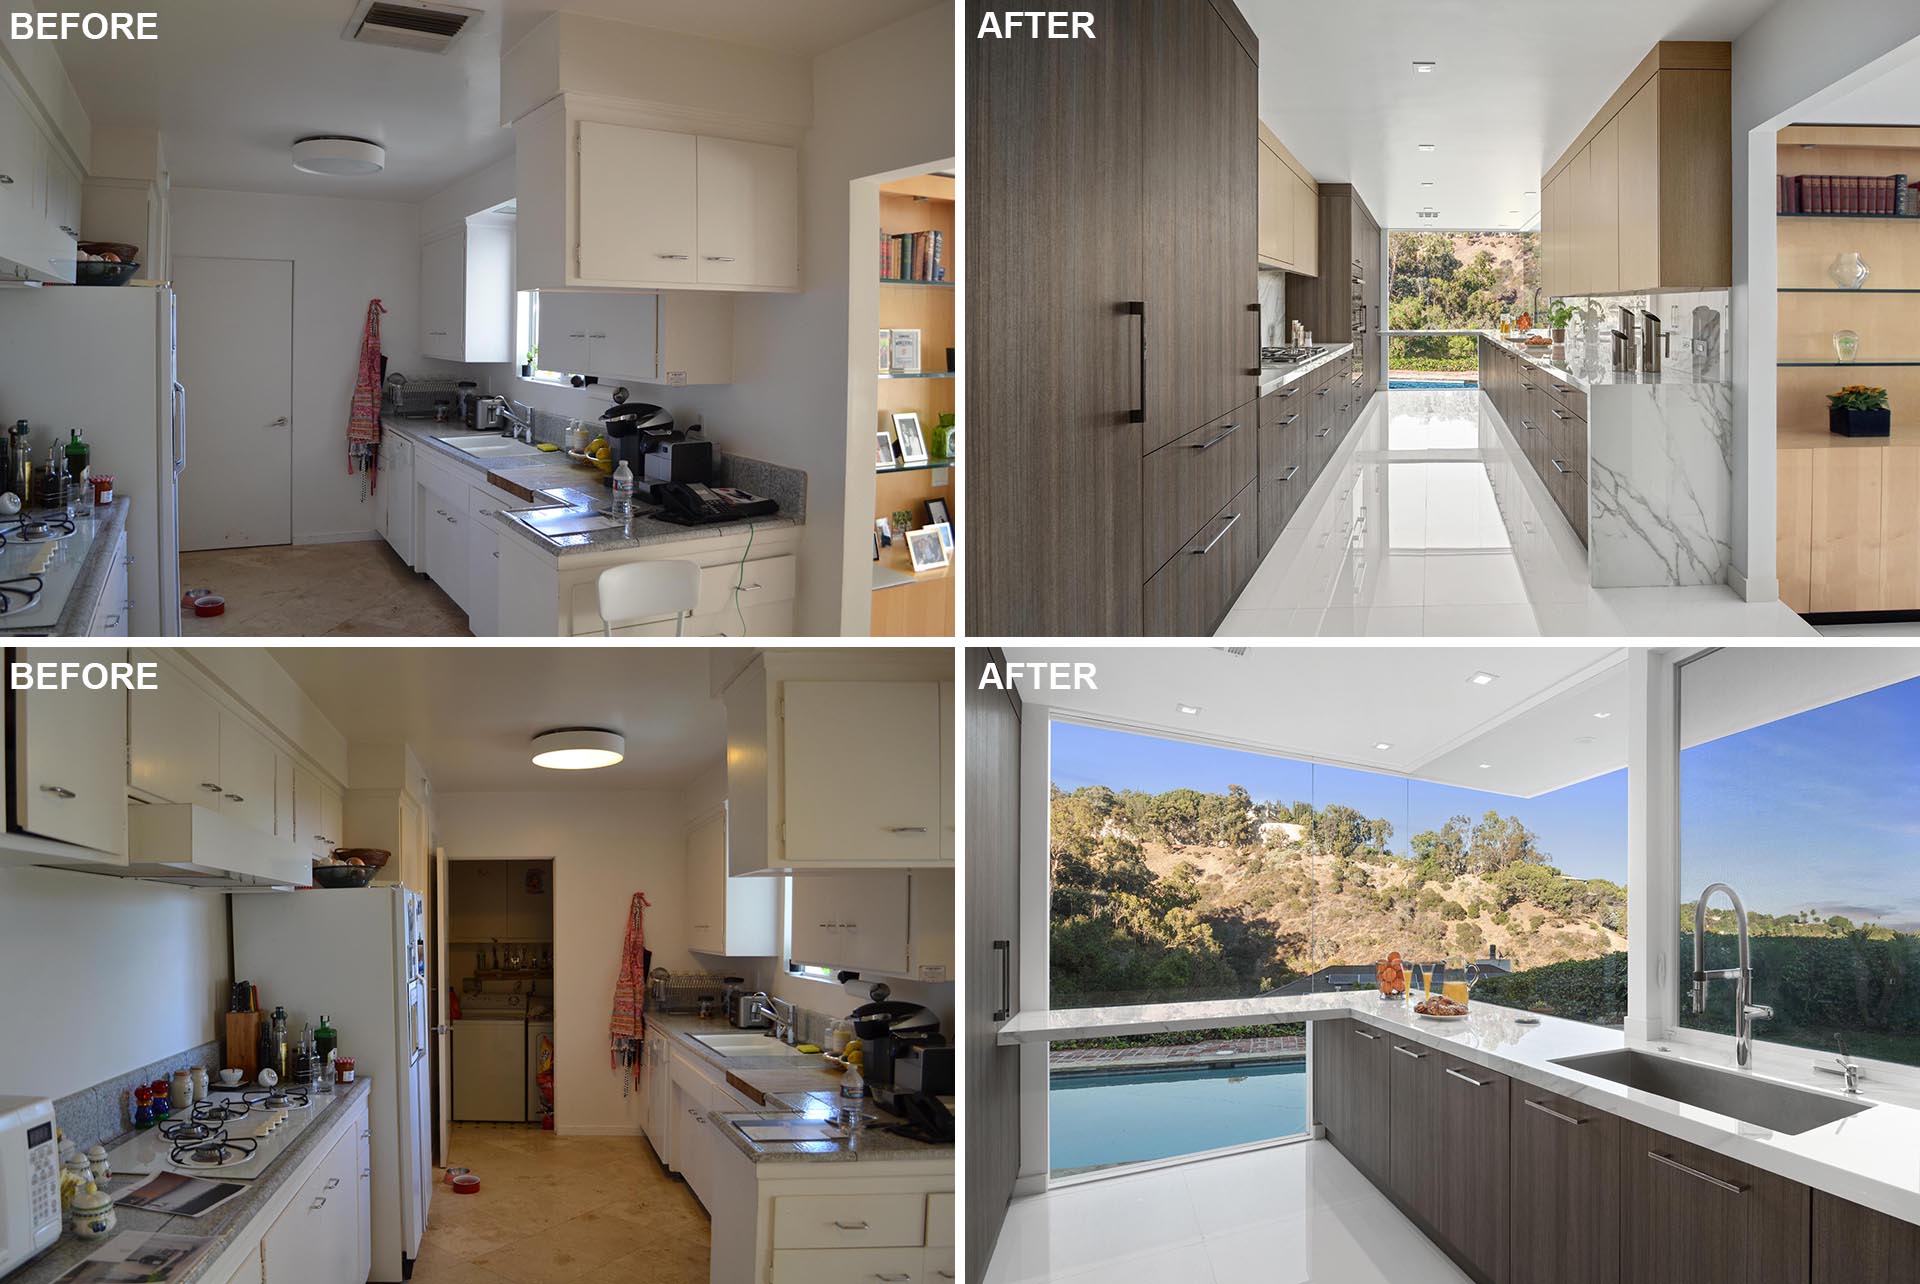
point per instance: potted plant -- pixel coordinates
(527, 366)
(1859, 411)
(938, 439)
(1557, 317)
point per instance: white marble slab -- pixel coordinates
(1272, 377)
(1660, 485)
(1872, 1158)
(1571, 364)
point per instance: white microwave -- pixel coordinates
(29, 1179)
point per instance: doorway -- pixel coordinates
(235, 332)
(500, 940)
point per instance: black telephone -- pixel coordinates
(698, 504)
(927, 1119)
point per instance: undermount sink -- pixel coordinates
(747, 1045)
(490, 444)
(1738, 1096)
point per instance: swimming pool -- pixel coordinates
(1105, 1117)
(1430, 383)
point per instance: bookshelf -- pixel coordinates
(905, 604)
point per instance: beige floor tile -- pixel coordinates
(311, 590)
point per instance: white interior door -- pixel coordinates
(236, 353)
(443, 1016)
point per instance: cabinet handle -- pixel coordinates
(895, 1279)
(331, 1183)
(366, 1172)
(1323, 432)
(1321, 393)
(1467, 1078)
(1367, 1035)
(57, 791)
(677, 258)
(851, 1226)
(1405, 1051)
(1551, 1113)
(210, 787)
(1138, 415)
(1731, 1188)
(1284, 393)
(1528, 425)
(1561, 387)
(1225, 433)
(1288, 475)
(6, 180)
(718, 258)
(235, 798)
(1529, 387)
(906, 829)
(1289, 419)
(1557, 465)
(1559, 414)
(1254, 309)
(1005, 1009)
(318, 1203)
(1206, 548)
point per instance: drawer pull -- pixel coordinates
(1285, 392)
(1321, 393)
(1206, 548)
(1323, 432)
(1561, 387)
(57, 791)
(1289, 419)
(676, 258)
(1288, 475)
(718, 258)
(235, 798)
(851, 1226)
(1367, 1034)
(1559, 414)
(366, 1172)
(1528, 425)
(1209, 444)
(895, 1279)
(906, 829)
(1731, 1188)
(1467, 1078)
(331, 1183)
(1551, 1113)
(317, 1204)
(1558, 466)
(1405, 1051)
(210, 787)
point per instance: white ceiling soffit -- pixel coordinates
(1515, 82)
(1730, 690)
(1891, 99)
(1533, 725)
(470, 713)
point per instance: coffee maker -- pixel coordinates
(630, 427)
(907, 1058)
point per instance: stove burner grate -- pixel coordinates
(277, 1099)
(38, 528)
(220, 1151)
(182, 1132)
(219, 1112)
(21, 593)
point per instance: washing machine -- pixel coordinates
(539, 1056)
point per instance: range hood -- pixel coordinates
(198, 847)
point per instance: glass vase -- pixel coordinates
(1846, 346)
(1849, 271)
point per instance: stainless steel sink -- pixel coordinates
(747, 1045)
(1738, 1096)
(489, 445)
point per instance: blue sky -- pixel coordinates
(1582, 827)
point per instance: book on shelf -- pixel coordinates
(913, 256)
(1888, 195)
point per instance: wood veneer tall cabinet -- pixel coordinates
(1351, 246)
(1113, 316)
(1289, 209)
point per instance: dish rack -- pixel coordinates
(682, 991)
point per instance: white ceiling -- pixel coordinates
(469, 712)
(1517, 81)
(1534, 726)
(1892, 99)
(232, 85)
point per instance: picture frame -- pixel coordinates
(876, 545)
(925, 550)
(946, 536)
(905, 350)
(913, 445)
(938, 513)
(886, 351)
(883, 451)
(883, 531)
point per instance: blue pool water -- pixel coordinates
(1129, 1116)
(1430, 383)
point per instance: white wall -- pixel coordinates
(344, 253)
(1797, 54)
(104, 975)
(605, 846)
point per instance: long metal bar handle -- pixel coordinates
(1732, 1188)
(1006, 980)
(1211, 442)
(1365, 1035)
(1288, 475)
(1138, 415)
(1467, 1078)
(1551, 1113)
(1254, 370)
(1208, 546)
(1405, 1051)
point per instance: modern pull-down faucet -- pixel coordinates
(1745, 1010)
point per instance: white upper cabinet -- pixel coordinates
(39, 195)
(68, 754)
(466, 292)
(731, 916)
(174, 741)
(665, 338)
(611, 204)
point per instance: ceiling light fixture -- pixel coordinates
(1186, 708)
(1426, 147)
(339, 155)
(1485, 766)
(1382, 745)
(1425, 68)
(1426, 182)
(578, 748)
(1603, 715)
(1529, 193)
(1482, 678)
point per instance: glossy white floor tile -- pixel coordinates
(1431, 523)
(1289, 1215)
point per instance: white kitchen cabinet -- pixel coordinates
(466, 291)
(692, 1156)
(317, 1238)
(246, 774)
(174, 739)
(657, 1075)
(396, 478)
(890, 922)
(362, 1137)
(68, 757)
(731, 916)
(864, 773)
(627, 231)
(673, 339)
(113, 609)
(483, 561)
(938, 1265)
(443, 536)
(745, 199)
(317, 807)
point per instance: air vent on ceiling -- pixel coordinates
(409, 24)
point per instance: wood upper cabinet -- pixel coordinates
(1636, 133)
(1564, 1183)
(1602, 242)
(1289, 209)
(1694, 1215)
(1306, 230)
(1855, 1245)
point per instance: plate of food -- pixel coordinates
(1439, 1008)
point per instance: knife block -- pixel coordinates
(243, 1043)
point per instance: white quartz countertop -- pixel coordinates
(1871, 1158)
(1280, 376)
(1565, 362)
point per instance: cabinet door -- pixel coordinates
(443, 273)
(1414, 1167)
(249, 1271)
(856, 921)
(1603, 188)
(363, 1230)
(1564, 1177)
(947, 822)
(1367, 1114)
(636, 212)
(748, 205)
(1276, 209)
(565, 321)
(446, 543)
(706, 874)
(402, 502)
(333, 819)
(174, 740)
(623, 335)
(1900, 527)
(246, 773)
(1306, 228)
(1327, 1046)
(1471, 1135)
(1847, 540)
(483, 564)
(1855, 1245)
(309, 827)
(69, 757)
(1697, 1216)
(1637, 138)
(1581, 223)
(861, 772)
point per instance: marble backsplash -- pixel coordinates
(105, 1110)
(1696, 320)
(1273, 308)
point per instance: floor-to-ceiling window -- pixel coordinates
(1453, 281)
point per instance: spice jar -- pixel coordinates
(180, 1092)
(343, 1067)
(93, 1216)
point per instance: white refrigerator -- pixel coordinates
(359, 957)
(103, 360)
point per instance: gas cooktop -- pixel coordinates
(1287, 356)
(235, 1135)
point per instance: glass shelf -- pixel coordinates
(1898, 218)
(929, 466)
(925, 374)
(1913, 362)
(907, 280)
(1832, 289)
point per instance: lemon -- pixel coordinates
(597, 445)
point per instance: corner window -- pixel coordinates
(526, 339)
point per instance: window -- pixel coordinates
(1182, 871)
(526, 330)
(1796, 789)
(1453, 281)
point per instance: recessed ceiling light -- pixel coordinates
(1425, 68)
(1381, 744)
(1482, 678)
(339, 155)
(578, 748)
(1513, 211)
(1426, 147)
(1186, 708)
(1426, 182)
(1603, 715)
(1485, 765)
(1529, 193)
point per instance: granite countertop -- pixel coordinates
(1280, 376)
(809, 1089)
(77, 611)
(1565, 363)
(225, 1225)
(1868, 1158)
(552, 479)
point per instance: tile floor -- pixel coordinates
(1287, 1215)
(357, 589)
(552, 1209)
(1426, 526)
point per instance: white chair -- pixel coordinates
(647, 590)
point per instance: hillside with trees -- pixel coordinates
(1455, 281)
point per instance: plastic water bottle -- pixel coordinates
(853, 1100)
(623, 489)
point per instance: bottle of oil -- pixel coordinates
(78, 453)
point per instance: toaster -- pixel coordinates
(29, 1179)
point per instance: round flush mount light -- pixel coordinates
(339, 155)
(578, 748)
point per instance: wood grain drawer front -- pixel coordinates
(850, 1221)
(1283, 475)
(1569, 397)
(1697, 1216)
(849, 1266)
(1189, 481)
(1472, 1132)
(1855, 1245)
(1564, 1175)
(1282, 401)
(1191, 593)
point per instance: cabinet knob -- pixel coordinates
(57, 791)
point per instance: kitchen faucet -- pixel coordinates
(1744, 1008)
(770, 1008)
(518, 423)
